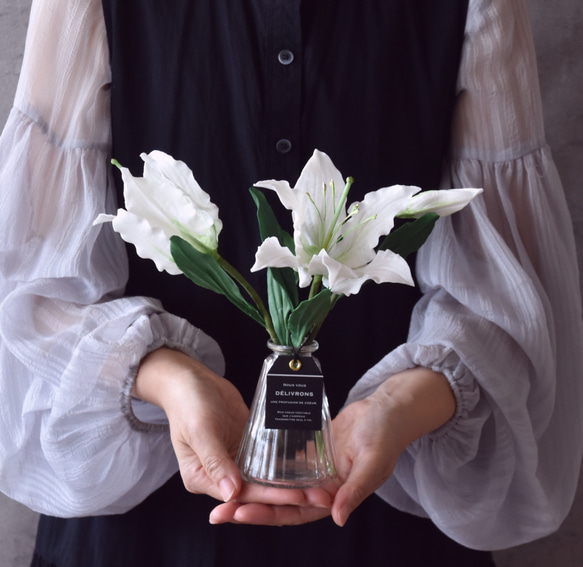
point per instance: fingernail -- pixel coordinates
(212, 518)
(341, 518)
(227, 489)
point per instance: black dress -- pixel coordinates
(243, 91)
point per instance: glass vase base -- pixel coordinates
(287, 459)
(291, 457)
(291, 484)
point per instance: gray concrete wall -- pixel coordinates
(558, 28)
(17, 523)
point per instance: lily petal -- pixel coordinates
(375, 218)
(163, 169)
(313, 202)
(319, 169)
(272, 254)
(445, 202)
(150, 242)
(385, 267)
(103, 218)
(389, 267)
(168, 206)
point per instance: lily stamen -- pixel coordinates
(338, 211)
(353, 228)
(322, 219)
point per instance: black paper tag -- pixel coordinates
(294, 398)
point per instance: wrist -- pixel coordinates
(418, 401)
(160, 374)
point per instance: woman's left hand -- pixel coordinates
(370, 435)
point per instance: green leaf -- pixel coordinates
(282, 283)
(308, 314)
(205, 271)
(279, 301)
(268, 223)
(411, 236)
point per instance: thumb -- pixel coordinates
(207, 466)
(363, 479)
(223, 473)
(350, 495)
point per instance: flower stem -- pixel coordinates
(316, 285)
(236, 275)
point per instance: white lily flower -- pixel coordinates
(166, 201)
(331, 242)
(444, 202)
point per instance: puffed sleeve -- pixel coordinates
(501, 312)
(70, 342)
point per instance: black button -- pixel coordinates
(285, 56)
(283, 146)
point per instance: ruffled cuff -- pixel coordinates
(175, 333)
(435, 357)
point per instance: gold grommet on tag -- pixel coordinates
(295, 364)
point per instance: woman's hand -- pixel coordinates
(370, 435)
(207, 416)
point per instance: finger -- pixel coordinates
(266, 515)
(196, 481)
(258, 504)
(317, 496)
(361, 483)
(224, 513)
(211, 469)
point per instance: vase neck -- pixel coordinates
(285, 350)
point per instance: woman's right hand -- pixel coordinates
(206, 414)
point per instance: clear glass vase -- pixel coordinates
(288, 440)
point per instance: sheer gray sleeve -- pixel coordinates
(501, 312)
(69, 341)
